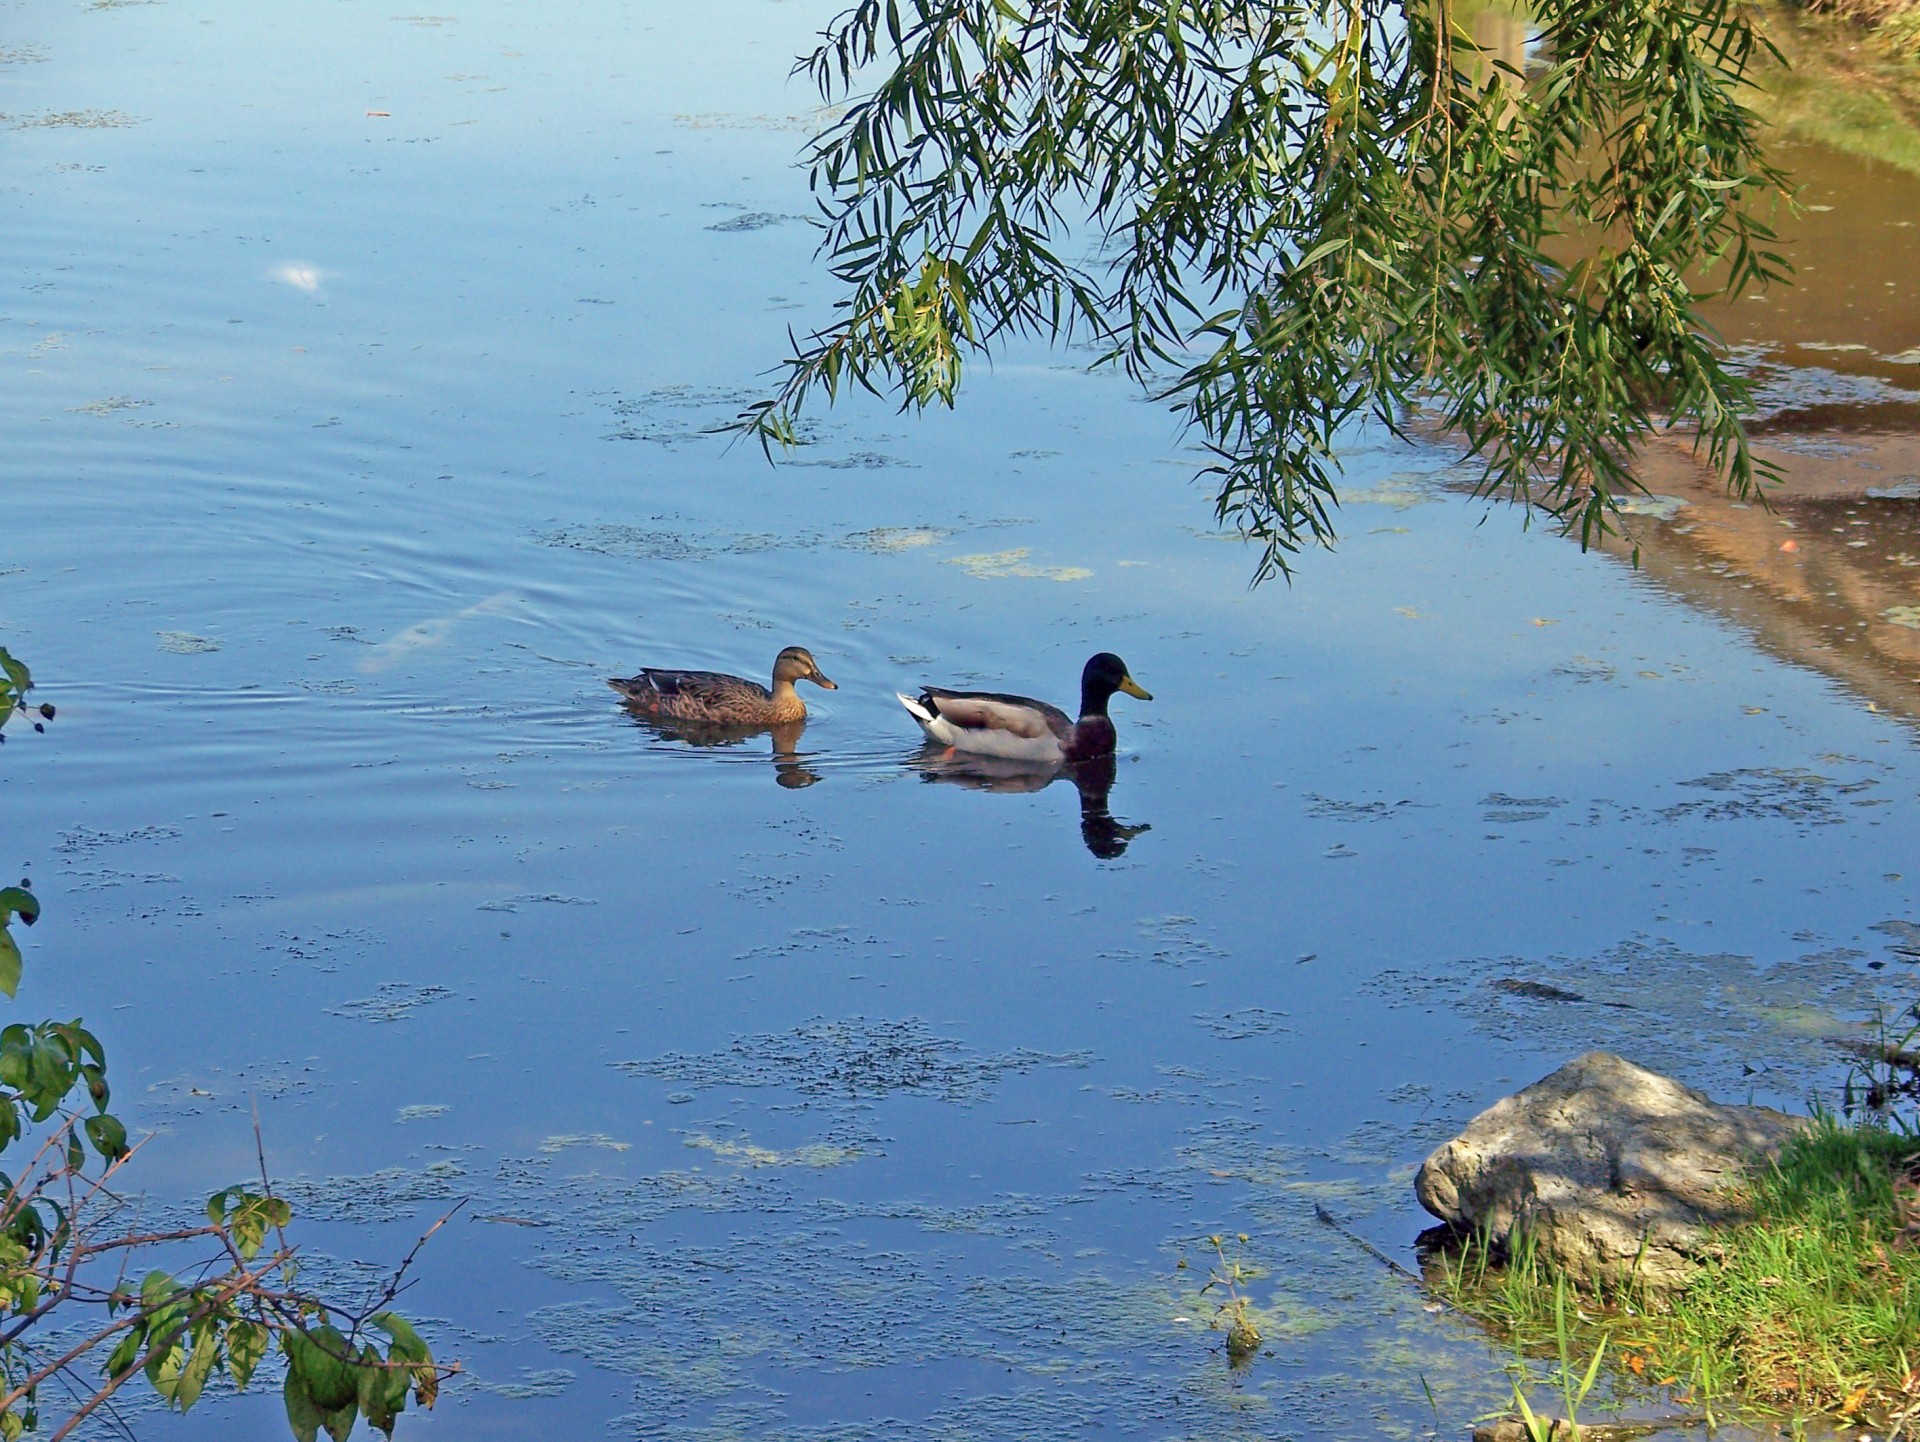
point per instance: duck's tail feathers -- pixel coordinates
(921, 713)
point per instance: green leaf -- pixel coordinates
(108, 1136)
(16, 1053)
(20, 678)
(340, 1422)
(249, 1231)
(17, 900)
(407, 1343)
(383, 1390)
(86, 1043)
(246, 1346)
(319, 1355)
(164, 1361)
(303, 1413)
(9, 964)
(128, 1351)
(199, 1364)
(408, 1346)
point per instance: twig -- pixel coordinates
(393, 1285)
(14, 1195)
(266, 1182)
(78, 1387)
(1328, 1219)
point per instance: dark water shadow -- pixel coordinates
(790, 768)
(1104, 835)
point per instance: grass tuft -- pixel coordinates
(1812, 1308)
(1816, 1304)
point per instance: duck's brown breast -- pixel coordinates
(1091, 736)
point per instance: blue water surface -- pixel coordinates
(359, 373)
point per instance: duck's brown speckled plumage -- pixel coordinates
(717, 699)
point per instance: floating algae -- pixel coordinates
(855, 1059)
(1000, 565)
(1714, 1018)
(391, 1001)
(1770, 793)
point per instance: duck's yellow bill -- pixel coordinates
(1134, 688)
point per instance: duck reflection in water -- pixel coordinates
(1093, 778)
(790, 768)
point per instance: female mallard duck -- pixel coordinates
(1020, 728)
(717, 699)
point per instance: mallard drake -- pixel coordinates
(714, 698)
(1019, 728)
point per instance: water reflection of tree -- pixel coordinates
(1104, 835)
(1827, 577)
(1502, 32)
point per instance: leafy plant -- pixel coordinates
(231, 1294)
(1285, 215)
(1234, 1313)
(15, 682)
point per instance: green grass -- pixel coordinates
(1812, 1309)
(1816, 1307)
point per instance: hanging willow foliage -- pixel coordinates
(1300, 214)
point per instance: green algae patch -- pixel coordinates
(588, 1140)
(388, 1195)
(746, 1154)
(1013, 564)
(1710, 1016)
(718, 1294)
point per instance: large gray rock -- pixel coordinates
(1599, 1158)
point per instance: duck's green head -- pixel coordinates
(1105, 674)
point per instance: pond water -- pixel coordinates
(358, 372)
